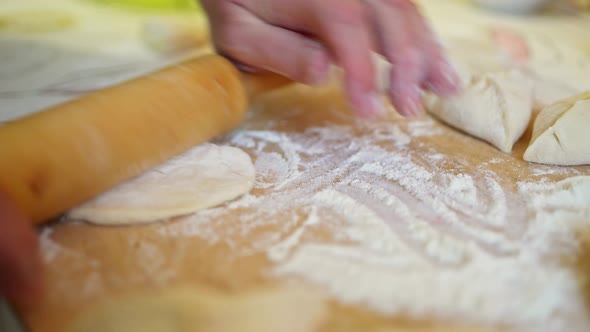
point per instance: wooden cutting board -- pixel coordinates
(228, 248)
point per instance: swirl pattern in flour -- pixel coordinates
(404, 232)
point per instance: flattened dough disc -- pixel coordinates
(203, 177)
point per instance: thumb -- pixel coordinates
(257, 44)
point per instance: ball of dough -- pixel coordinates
(561, 133)
(495, 107)
(205, 176)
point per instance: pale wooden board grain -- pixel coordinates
(112, 257)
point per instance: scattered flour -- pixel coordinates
(357, 211)
(153, 263)
(379, 221)
(50, 250)
(401, 233)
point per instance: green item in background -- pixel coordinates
(36, 21)
(186, 5)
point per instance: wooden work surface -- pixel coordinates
(228, 248)
(313, 157)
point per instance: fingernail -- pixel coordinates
(415, 108)
(451, 80)
(317, 66)
(315, 75)
(378, 105)
(448, 83)
(367, 104)
(411, 102)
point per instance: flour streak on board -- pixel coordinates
(407, 233)
(383, 220)
(380, 220)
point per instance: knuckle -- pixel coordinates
(400, 4)
(408, 57)
(229, 41)
(348, 12)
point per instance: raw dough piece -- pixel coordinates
(190, 309)
(203, 177)
(561, 134)
(495, 106)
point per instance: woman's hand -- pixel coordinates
(300, 39)
(20, 264)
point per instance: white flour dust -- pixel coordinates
(403, 231)
(73, 262)
(373, 217)
(49, 249)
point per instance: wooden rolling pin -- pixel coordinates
(56, 159)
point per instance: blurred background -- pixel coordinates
(55, 50)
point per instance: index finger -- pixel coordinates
(347, 34)
(342, 26)
(398, 30)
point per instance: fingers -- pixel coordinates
(299, 39)
(20, 264)
(417, 59)
(274, 49)
(442, 78)
(341, 26)
(397, 31)
(347, 34)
